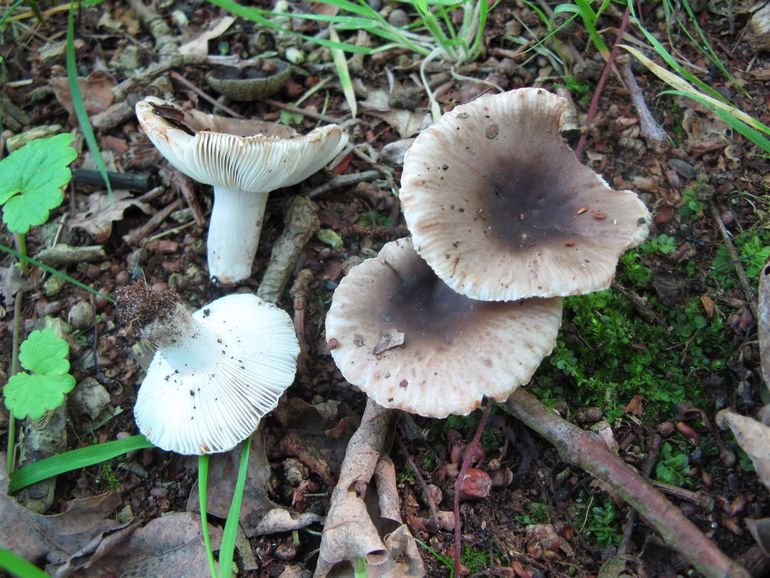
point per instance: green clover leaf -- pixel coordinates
(44, 354)
(32, 179)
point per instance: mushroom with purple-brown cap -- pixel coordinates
(215, 372)
(243, 161)
(410, 342)
(500, 207)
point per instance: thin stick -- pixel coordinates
(633, 515)
(470, 451)
(600, 85)
(650, 128)
(420, 482)
(581, 448)
(303, 111)
(751, 299)
(342, 181)
(140, 233)
(213, 101)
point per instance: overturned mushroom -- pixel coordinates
(501, 209)
(410, 342)
(215, 373)
(243, 164)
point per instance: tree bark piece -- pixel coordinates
(582, 449)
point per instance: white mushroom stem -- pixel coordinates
(183, 340)
(236, 223)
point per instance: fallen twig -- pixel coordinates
(748, 292)
(426, 495)
(342, 181)
(633, 515)
(299, 291)
(303, 111)
(213, 101)
(140, 233)
(581, 448)
(184, 185)
(300, 223)
(650, 128)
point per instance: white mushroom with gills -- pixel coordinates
(243, 161)
(501, 209)
(216, 372)
(410, 342)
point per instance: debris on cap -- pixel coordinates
(412, 343)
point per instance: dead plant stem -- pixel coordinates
(582, 449)
(600, 85)
(748, 292)
(470, 452)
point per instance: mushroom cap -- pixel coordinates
(410, 342)
(216, 399)
(236, 155)
(501, 209)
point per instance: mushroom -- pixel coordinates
(410, 342)
(501, 209)
(243, 161)
(215, 373)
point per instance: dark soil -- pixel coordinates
(504, 531)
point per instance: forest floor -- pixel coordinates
(651, 360)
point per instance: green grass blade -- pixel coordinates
(54, 272)
(670, 60)
(341, 64)
(478, 42)
(234, 515)
(18, 566)
(359, 567)
(9, 11)
(203, 489)
(257, 16)
(74, 460)
(730, 119)
(79, 105)
(681, 85)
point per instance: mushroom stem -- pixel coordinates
(184, 341)
(236, 222)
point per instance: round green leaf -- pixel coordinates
(45, 353)
(31, 181)
(32, 395)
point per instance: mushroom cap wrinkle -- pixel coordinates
(410, 342)
(214, 378)
(236, 155)
(500, 207)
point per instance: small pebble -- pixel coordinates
(81, 315)
(398, 18)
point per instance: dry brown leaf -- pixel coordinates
(760, 531)
(199, 46)
(754, 439)
(349, 532)
(55, 538)
(403, 557)
(162, 549)
(102, 212)
(96, 91)
(764, 322)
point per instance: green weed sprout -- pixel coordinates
(32, 180)
(31, 395)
